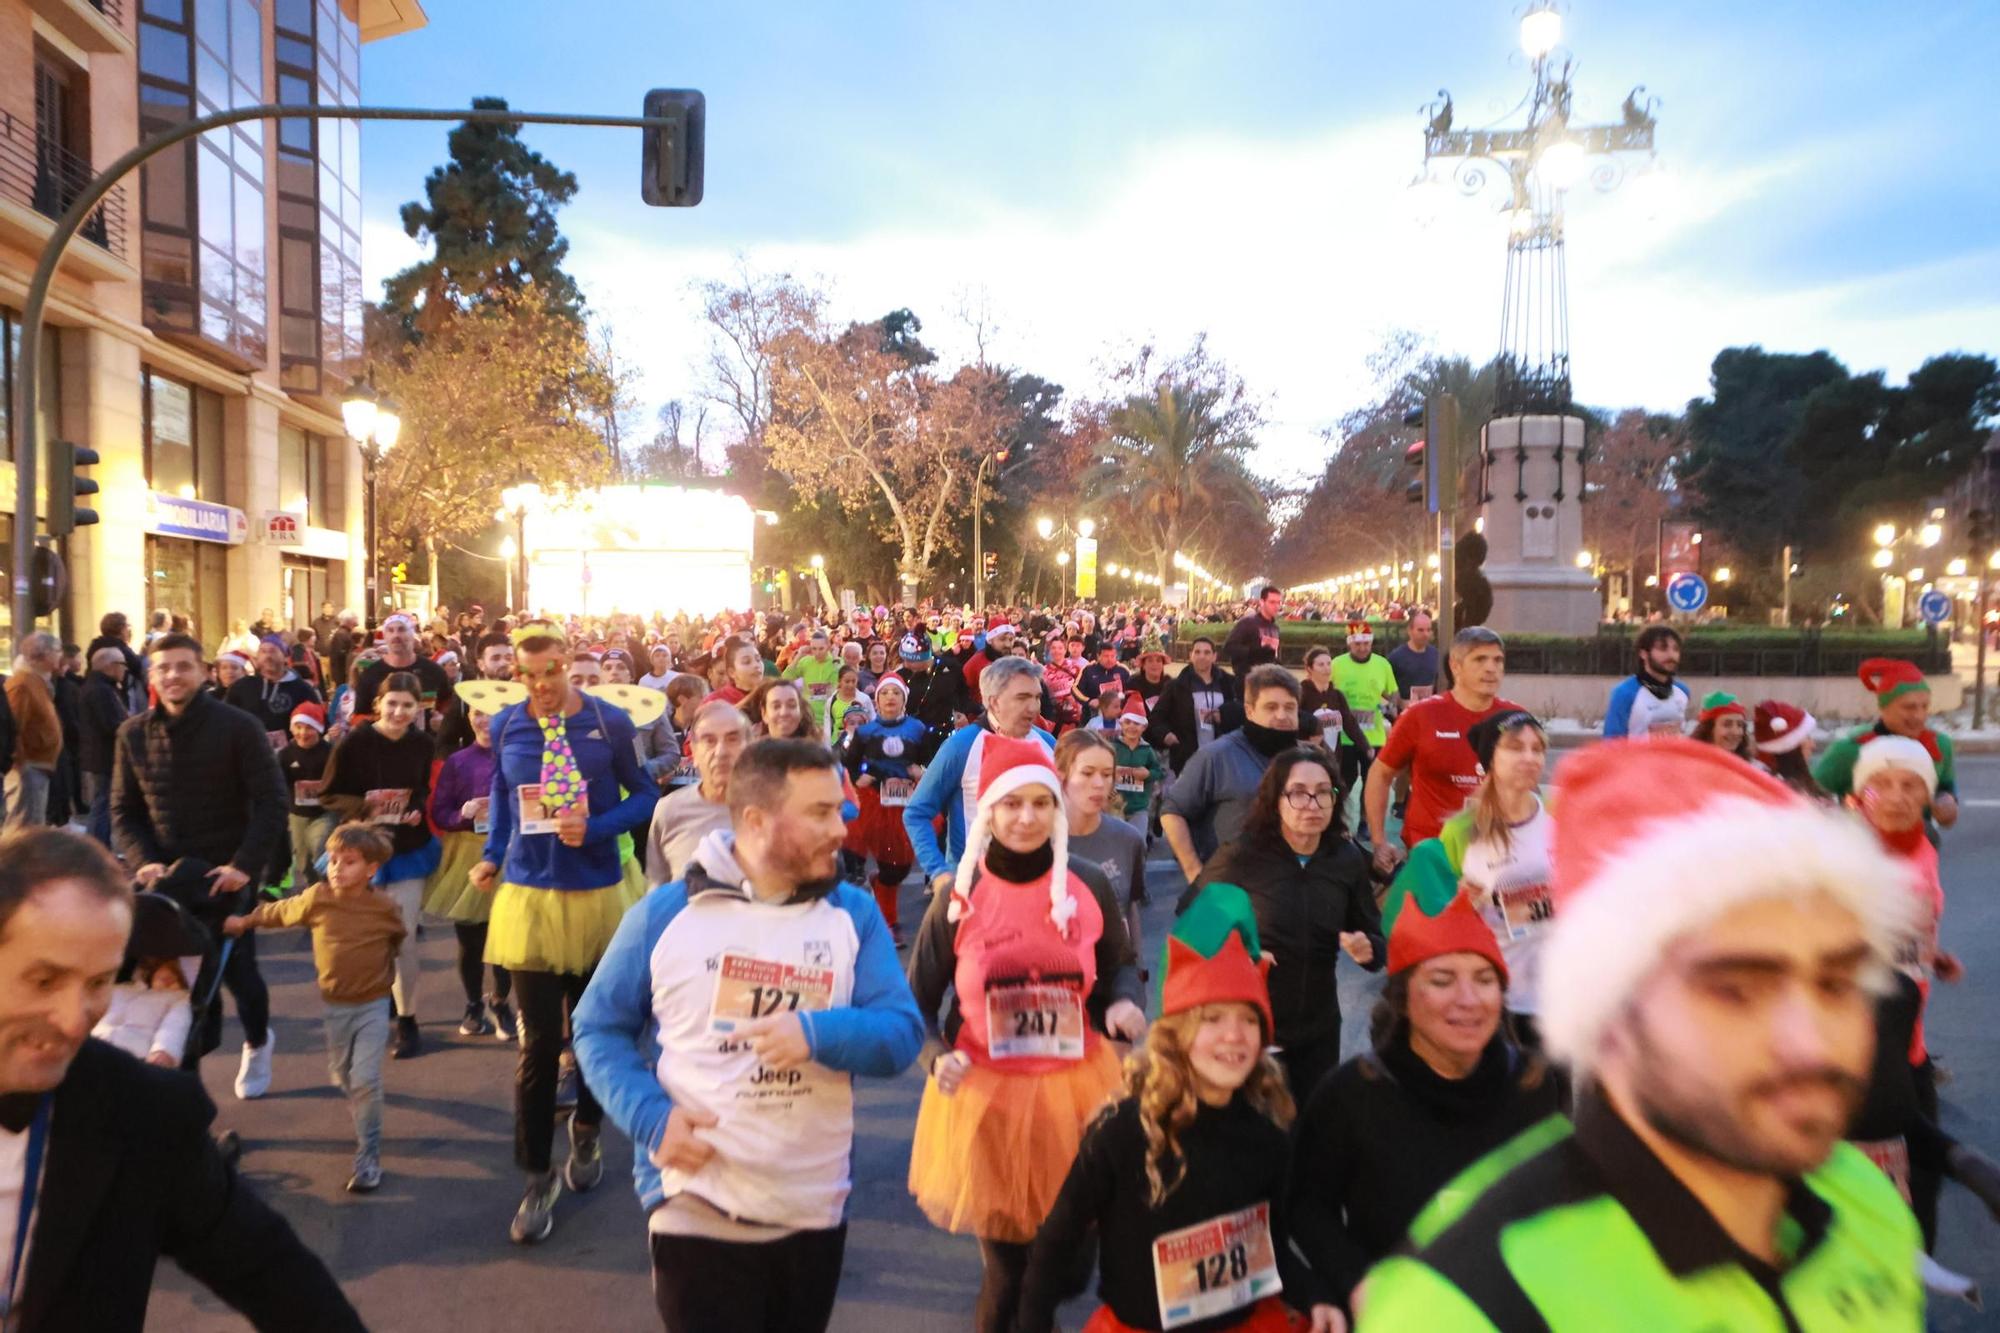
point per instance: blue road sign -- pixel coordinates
(1687, 593)
(1934, 607)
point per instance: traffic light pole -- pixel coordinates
(28, 444)
(1442, 430)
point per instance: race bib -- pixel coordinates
(1128, 779)
(388, 805)
(482, 825)
(306, 791)
(1034, 1022)
(1418, 693)
(1522, 909)
(684, 774)
(819, 694)
(897, 791)
(277, 739)
(535, 816)
(1893, 1157)
(1214, 1267)
(747, 988)
(1367, 718)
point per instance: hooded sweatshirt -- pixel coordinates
(271, 701)
(685, 969)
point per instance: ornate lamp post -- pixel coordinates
(515, 502)
(373, 423)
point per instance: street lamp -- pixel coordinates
(1722, 575)
(818, 561)
(1885, 534)
(507, 550)
(1541, 30)
(373, 423)
(1883, 558)
(1045, 527)
(1583, 560)
(1956, 568)
(1086, 528)
(1930, 534)
(515, 502)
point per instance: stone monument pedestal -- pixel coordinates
(1534, 527)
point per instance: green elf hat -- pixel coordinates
(1722, 704)
(1212, 956)
(1889, 679)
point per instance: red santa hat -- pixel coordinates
(1781, 727)
(1655, 840)
(1134, 709)
(1005, 766)
(892, 681)
(311, 715)
(234, 659)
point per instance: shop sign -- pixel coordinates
(283, 528)
(201, 520)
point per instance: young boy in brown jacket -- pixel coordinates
(355, 935)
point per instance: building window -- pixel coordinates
(203, 203)
(317, 52)
(183, 438)
(302, 474)
(46, 401)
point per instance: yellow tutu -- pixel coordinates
(989, 1160)
(558, 930)
(450, 893)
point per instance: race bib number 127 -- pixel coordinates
(749, 988)
(1226, 1263)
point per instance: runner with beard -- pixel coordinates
(1650, 702)
(1208, 801)
(1254, 640)
(1721, 1036)
(725, 1026)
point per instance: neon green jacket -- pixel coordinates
(1366, 685)
(817, 679)
(1585, 1229)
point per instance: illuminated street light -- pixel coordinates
(1885, 534)
(1541, 30)
(1431, 560)
(1583, 560)
(1062, 557)
(1956, 569)
(1722, 575)
(1086, 527)
(1930, 534)
(1045, 527)
(1917, 575)
(818, 561)
(1561, 164)
(1652, 580)
(1883, 558)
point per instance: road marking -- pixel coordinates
(1982, 803)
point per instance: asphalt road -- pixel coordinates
(431, 1251)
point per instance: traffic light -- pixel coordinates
(990, 566)
(66, 484)
(399, 572)
(670, 174)
(1417, 491)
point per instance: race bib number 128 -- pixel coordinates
(1223, 1264)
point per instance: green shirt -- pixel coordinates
(818, 679)
(1127, 763)
(1585, 1229)
(1366, 685)
(1835, 769)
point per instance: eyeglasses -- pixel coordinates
(1308, 798)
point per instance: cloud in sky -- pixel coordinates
(1154, 174)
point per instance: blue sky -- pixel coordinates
(1098, 173)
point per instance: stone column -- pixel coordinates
(1534, 526)
(250, 451)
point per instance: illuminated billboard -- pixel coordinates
(640, 549)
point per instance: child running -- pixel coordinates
(355, 934)
(1181, 1178)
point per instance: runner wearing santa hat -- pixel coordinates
(1784, 738)
(1183, 1178)
(886, 758)
(1904, 698)
(1718, 1013)
(1035, 958)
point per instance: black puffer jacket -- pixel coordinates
(202, 784)
(1301, 912)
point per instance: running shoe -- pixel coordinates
(567, 1080)
(586, 1158)
(474, 1023)
(253, 1076)
(536, 1217)
(502, 1014)
(367, 1177)
(407, 1043)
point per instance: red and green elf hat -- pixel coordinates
(1212, 956)
(1890, 678)
(1722, 704)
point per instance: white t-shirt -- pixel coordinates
(13, 1166)
(1511, 890)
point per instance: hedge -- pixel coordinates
(1709, 650)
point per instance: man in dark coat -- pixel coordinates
(118, 1167)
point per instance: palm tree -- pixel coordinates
(1173, 466)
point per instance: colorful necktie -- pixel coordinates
(562, 786)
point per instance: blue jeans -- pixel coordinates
(97, 793)
(356, 1037)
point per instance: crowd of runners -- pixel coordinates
(1646, 1051)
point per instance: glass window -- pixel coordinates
(174, 11)
(246, 42)
(292, 470)
(169, 435)
(163, 53)
(208, 445)
(317, 509)
(212, 181)
(250, 243)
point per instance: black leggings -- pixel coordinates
(246, 983)
(541, 998)
(472, 964)
(718, 1286)
(1004, 1266)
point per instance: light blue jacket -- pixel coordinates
(950, 786)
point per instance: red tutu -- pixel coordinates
(1269, 1315)
(878, 831)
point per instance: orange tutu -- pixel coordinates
(989, 1160)
(1269, 1315)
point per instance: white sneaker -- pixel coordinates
(253, 1076)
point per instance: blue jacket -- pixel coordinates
(640, 983)
(1634, 711)
(601, 736)
(950, 787)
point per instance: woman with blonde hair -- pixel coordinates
(1184, 1177)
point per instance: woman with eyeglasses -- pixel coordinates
(1310, 888)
